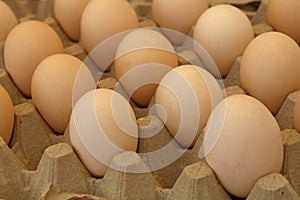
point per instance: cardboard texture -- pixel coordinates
(284, 117)
(38, 164)
(273, 186)
(195, 182)
(290, 170)
(10, 87)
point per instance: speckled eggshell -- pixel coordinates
(284, 17)
(57, 83)
(242, 143)
(297, 114)
(7, 20)
(6, 115)
(143, 55)
(102, 19)
(185, 98)
(69, 15)
(224, 31)
(270, 69)
(26, 46)
(102, 125)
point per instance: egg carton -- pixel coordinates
(38, 164)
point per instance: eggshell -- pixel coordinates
(69, 15)
(270, 69)
(178, 15)
(102, 19)
(143, 57)
(297, 114)
(7, 20)
(6, 115)
(102, 125)
(224, 31)
(57, 83)
(25, 47)
(284, 17)
(248, 146)
(186, 96)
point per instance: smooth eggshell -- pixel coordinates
(249, 143)
(25, 47)
(284, 17)
(57, 83)
(224, 31)
(186, 96)
(178, 15)
(69, 15)
(297, 114)
(102, 19)
(102, 125)
(139, 58)
(7, 20)
(6, 115)
(270, 69)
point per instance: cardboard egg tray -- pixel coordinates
(38, 164)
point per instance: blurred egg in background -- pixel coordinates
(284, 17)
(104, 18)
(177, 15)
(224, 31)
(68, 15)
(7, 20)
(143, 57)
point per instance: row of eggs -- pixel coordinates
(53, 93)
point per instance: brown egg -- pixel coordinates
(25, 47)
(178, 15)
(57, 83)
(143, 57)
(102, 19)
(224, 31)
(185, 98)
(284, 17)
(69, 15)
(6, 115)
(270, 69)
(242, 143)
(102, 125)
(7, 20)
(297, 114)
